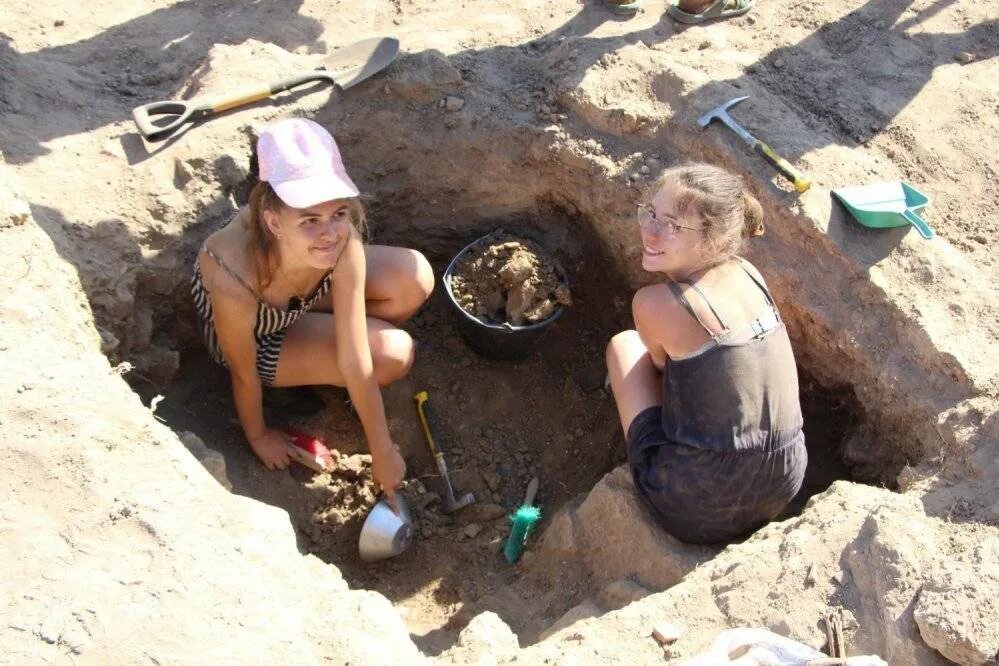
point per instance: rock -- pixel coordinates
(472, 530)
(965, 57)
(666, 633)
(212, 460)
(644, 170)
(620, 593)
(614, 535)
(705, 44)
(483, 513)
(583, 611)
(157, 365)
(486, 640)
(957, 610)
(886, 561)
(778, 63)
(424, 76)
(453, 103)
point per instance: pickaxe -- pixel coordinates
(721, 113)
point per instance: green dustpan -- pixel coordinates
(885, 205)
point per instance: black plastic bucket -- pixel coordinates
(497, 341)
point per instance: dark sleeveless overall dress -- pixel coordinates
(725, 453)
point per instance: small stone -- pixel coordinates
(442, 103)
(644, 170)
(453, 103)
(965, 57)
(59, 23)
(750, 19)
(666, 633)
(492, 480)
(706, 44)
(635, 176)
(779, 63)
(471, 531)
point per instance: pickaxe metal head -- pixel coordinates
(451, 504)
(721, 113)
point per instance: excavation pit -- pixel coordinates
(123, 548)
(500, 423)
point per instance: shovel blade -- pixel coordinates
(357, 62)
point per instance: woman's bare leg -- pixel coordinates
(308, 353)
(634, 378)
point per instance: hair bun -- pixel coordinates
(753, 215)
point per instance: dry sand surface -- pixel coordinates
(137, 525)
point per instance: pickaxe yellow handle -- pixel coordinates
(800, 182)
(421, 399)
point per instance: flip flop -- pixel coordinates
(717, 10)
(623, 8)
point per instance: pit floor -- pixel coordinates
(497, 421)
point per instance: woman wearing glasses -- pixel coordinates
(706, 387)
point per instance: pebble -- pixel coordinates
(59, 23)
(779, 63)
(706, 44)
(635, 176)
(965, 57)
(472, 530)
(492, 480)
(644, 170)
(453, 103)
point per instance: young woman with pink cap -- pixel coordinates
(289, 295)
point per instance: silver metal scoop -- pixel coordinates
(384, 533)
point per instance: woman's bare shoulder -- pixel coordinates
(654, 301)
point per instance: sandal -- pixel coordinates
(623, 7)
(719, 9)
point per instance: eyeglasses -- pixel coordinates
(647, 219)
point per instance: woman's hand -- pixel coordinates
(272, 448)
(388, 470)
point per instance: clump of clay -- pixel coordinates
(509, 279)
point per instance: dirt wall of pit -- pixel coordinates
(119, 546)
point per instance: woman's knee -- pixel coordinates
(392, 354)
(621, 346)
(423, 282)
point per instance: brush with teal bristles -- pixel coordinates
(522, 521)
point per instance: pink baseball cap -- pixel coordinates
(300, 160)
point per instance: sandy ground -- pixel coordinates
(870, 91)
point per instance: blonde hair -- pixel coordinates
(261, 239)
(720, 199)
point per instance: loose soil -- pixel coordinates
(505, 279)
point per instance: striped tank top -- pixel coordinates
(271, 325)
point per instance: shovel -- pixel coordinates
(885, 205)
(345, 68)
